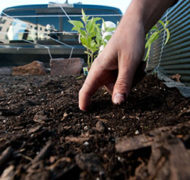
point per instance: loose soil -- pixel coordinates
(43, 134)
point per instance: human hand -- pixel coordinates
(116, 65)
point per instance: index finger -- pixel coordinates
(90, 86)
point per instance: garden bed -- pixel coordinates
(43, 134)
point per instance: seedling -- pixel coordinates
(91, 35)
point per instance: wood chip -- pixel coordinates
(34, 129)
(179, 159)
(43, 153)
(58, 162)
(5, 156)
(169, 159)
(73, 139)
(8, 173)
(126, 144)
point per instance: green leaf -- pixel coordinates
(147, 36)
(152, 38)
(93, 47)
(154, 28)
(99, 40)
(147, 53)
(168, 36)
(75, 29)
(108, 37)
(88, 39)
(84, 41)
(84, 17)
(77, 24)
(162, 23)
(167, 22)
(82, 33)
(96, 19)
(90, 26)
(110, 29)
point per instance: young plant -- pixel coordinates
(91, 35)
(154, 34)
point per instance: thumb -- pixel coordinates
(124, 81)
(121, 89)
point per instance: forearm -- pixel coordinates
(147, 12)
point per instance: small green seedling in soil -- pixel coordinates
(90, 35)
(154, 34)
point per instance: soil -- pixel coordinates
(43, 134)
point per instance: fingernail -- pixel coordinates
(118, 98)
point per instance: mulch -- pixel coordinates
(44, 135)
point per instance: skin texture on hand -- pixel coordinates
(116, 65)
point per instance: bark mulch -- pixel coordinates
(43, 134)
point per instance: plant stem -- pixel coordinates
(92, 55)
(88, 61)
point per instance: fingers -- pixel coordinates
(90, 86)
(117, 83)
(115, 68)
(127, 69)
(101, 73)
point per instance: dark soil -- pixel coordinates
(43, 134)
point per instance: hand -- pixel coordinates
(116, 66)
